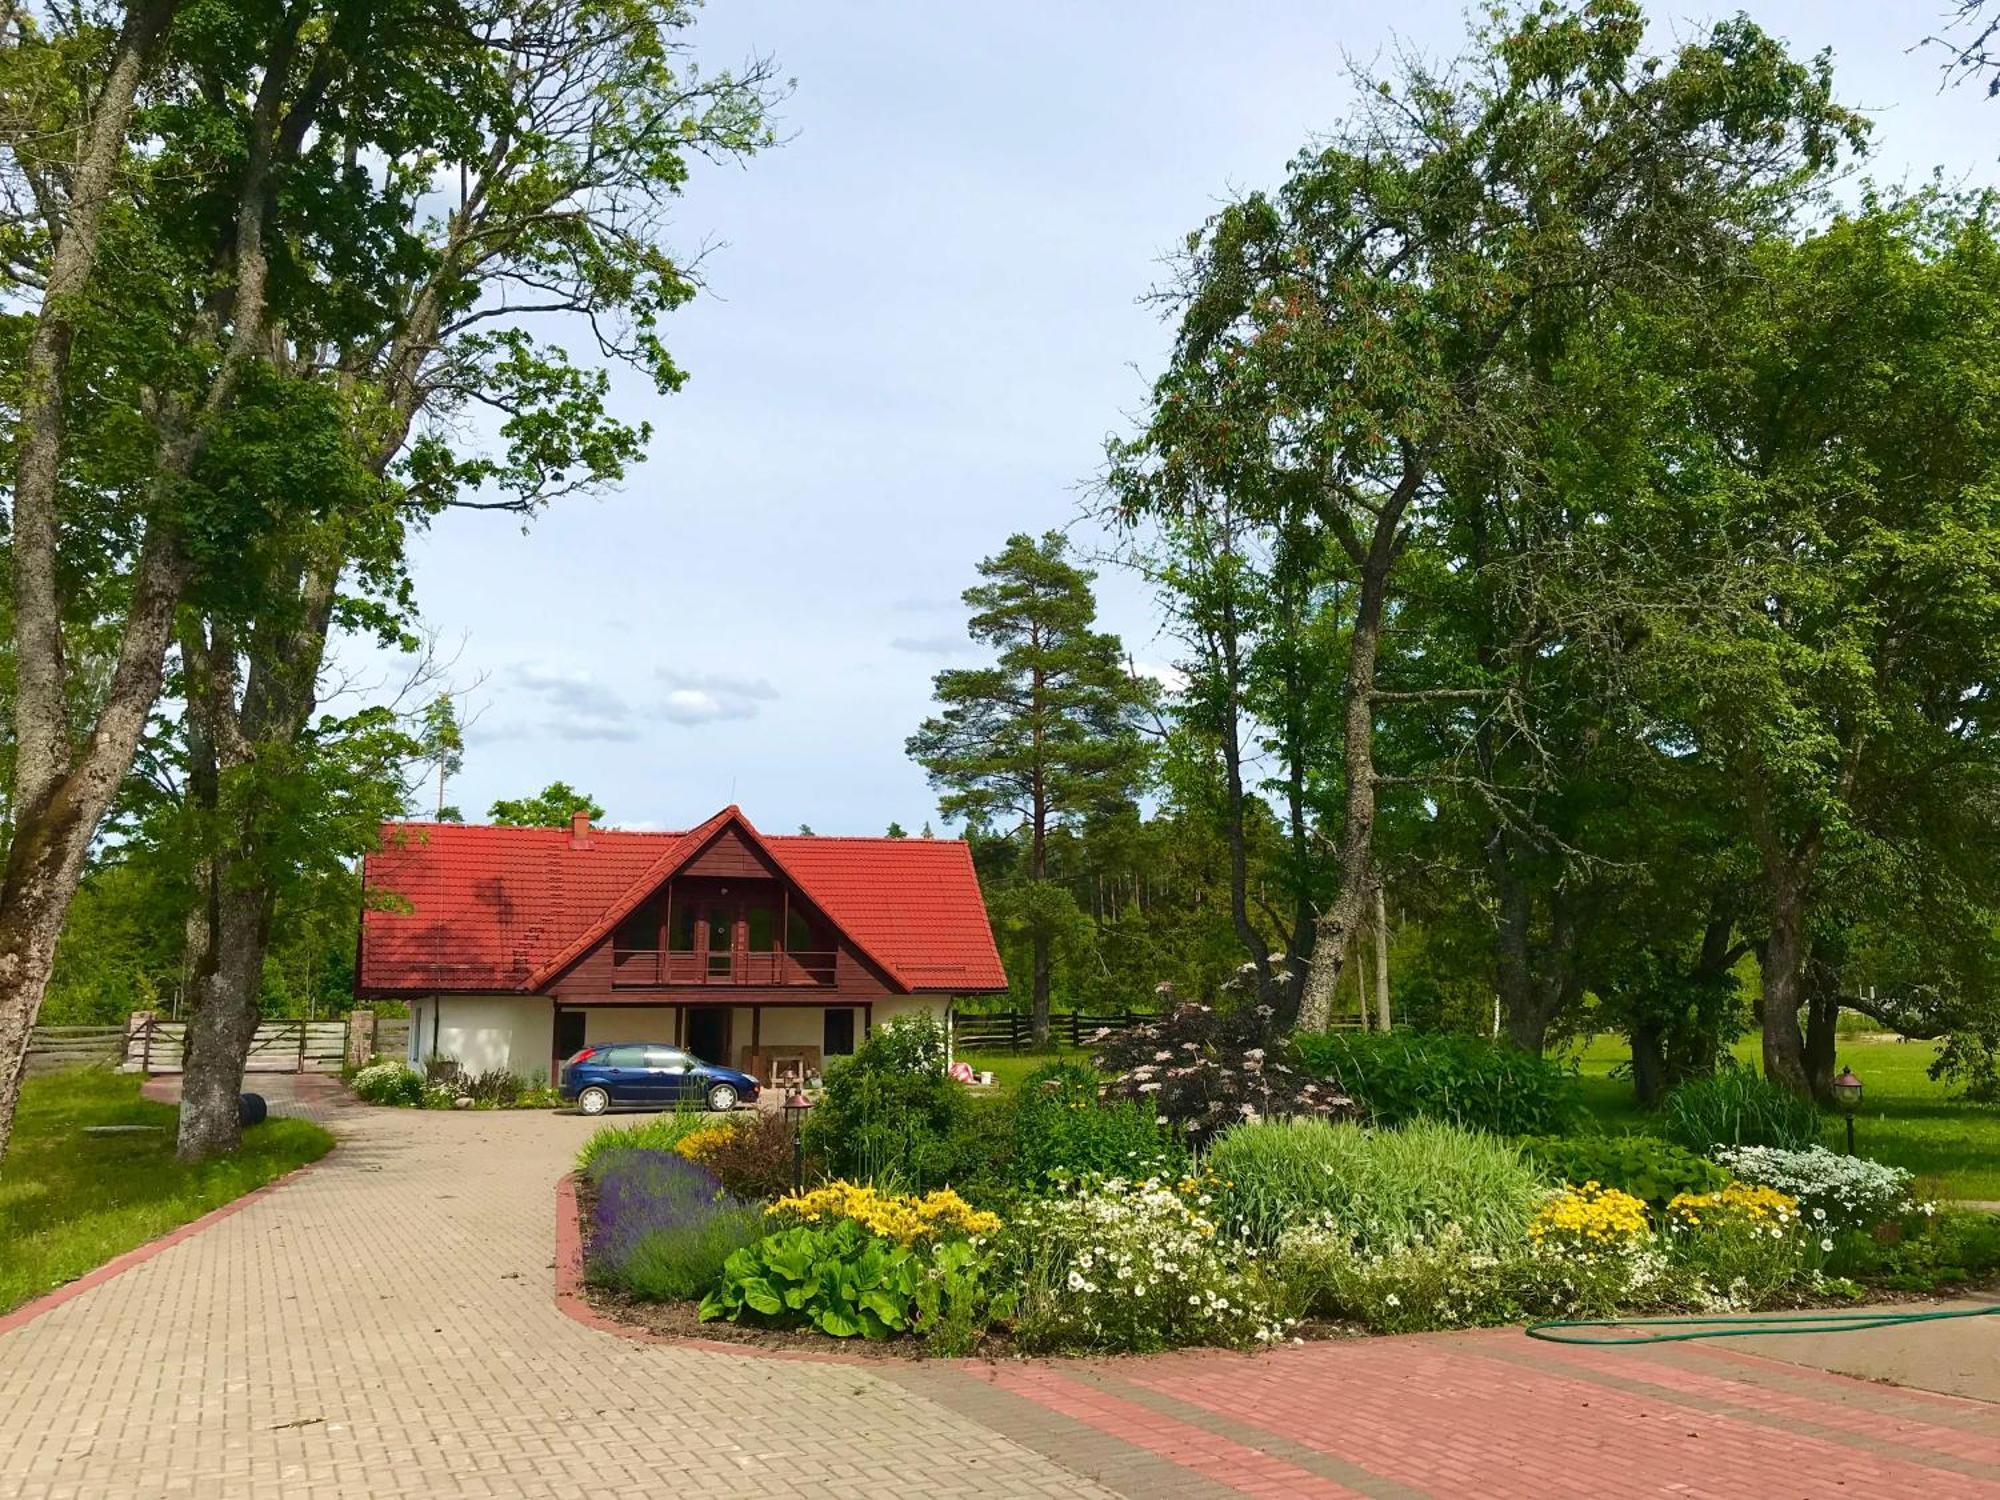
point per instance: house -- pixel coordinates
(515, 947)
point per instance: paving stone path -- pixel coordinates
(384, 1325)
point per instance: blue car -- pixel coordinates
(651, 1075)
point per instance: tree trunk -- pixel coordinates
(59, 800)
(1649, 1062)
(223, 1018)
(1822, 1018)
(1336, 925)
(31, 919)
(1383, 1021)
(1783, 962)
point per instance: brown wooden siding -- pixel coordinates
(729, 857)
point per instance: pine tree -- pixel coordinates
(1048, 732)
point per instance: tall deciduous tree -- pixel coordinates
(1046, 734)
(1351, 344)
(559, 137)
(1835, 480)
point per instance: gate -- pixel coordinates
(156, 1046)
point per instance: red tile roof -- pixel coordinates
(472, 907)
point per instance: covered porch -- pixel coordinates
(779, 1042)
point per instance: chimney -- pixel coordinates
(579, 829)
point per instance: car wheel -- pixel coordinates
(722, 1097)
(593, 1100)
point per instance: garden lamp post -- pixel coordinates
(1847, 1097)
(796, 1105)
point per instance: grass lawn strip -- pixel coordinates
(69, 1202)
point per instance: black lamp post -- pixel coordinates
(1847, 1098)
(796, 1105)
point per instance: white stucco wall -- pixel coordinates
(485, 1032)
(910, 1005)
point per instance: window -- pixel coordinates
(798, 932)
(666, 1057)
(761, 927)
(681, 938)
(839, 1038)
(640, 932)
(620, 1057)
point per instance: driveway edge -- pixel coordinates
(27, 1312)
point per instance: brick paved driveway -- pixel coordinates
(384, 1325)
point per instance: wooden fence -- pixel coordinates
(153, 1046)
(1011, 1030)
(52, 1047)
(392, 1036)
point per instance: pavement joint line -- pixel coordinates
(1276, 1445)
(1637, 1385)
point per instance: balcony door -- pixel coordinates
(721, 941)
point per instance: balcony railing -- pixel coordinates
(650, 966)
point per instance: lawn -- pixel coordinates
(69, 1202)
(1905, 1118)
(1010, 1068)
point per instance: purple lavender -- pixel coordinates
(663, 1224)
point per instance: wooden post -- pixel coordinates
(301, 1067)
(141, 1022)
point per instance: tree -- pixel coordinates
(896, 830)
(130, 364)
(1046, 734)
(562, 132)
(1353, 345)
(551, 807)
(1832, 482)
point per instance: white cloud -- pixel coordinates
(706, 697)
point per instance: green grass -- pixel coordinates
(1010, 1068)
(1905, 1118)
(70, 1202)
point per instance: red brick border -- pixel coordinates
(27, 1312)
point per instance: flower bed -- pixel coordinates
(1272, 1230)
(446, 1086)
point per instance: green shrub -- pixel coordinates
(1922, 1251)
(655, 1133)
(390, 1083)
(1738, 1107)
(1380, 1188)
(1061, 1129)
(1643, 1165)
(1748, 1244)
(845, 1282)
(751, 1153)
(891, 1115)
(1399, 1076)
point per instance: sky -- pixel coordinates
(925, 312)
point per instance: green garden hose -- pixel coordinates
(1682, 1330)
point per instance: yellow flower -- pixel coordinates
(1590, 1218)
(1739, 1203)
(905, 1219)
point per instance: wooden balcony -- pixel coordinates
(651, 968)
